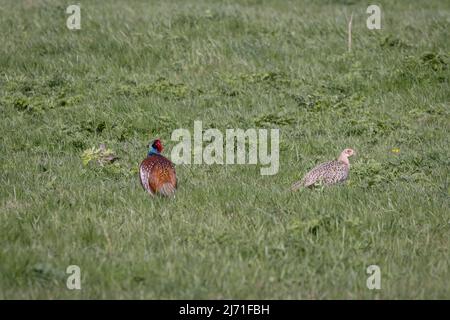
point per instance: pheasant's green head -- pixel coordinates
(156, 147)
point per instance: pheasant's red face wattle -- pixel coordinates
(158, 145)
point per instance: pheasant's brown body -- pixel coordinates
(328, 173)
(158, 175)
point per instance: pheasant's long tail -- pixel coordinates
(297, 185)
(167, 189)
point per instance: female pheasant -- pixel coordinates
(157, 173)
(328, 173)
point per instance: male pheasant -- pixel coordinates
(327, 173)
(157, 173)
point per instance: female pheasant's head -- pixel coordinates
(156, 147)
(349, 152)
(345, 154)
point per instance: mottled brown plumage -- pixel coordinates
(328, 173)
(157, 173)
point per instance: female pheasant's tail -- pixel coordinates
(297, 185)
(167, 190)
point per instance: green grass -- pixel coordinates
(139, 70)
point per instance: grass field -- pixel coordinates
(138, 70)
